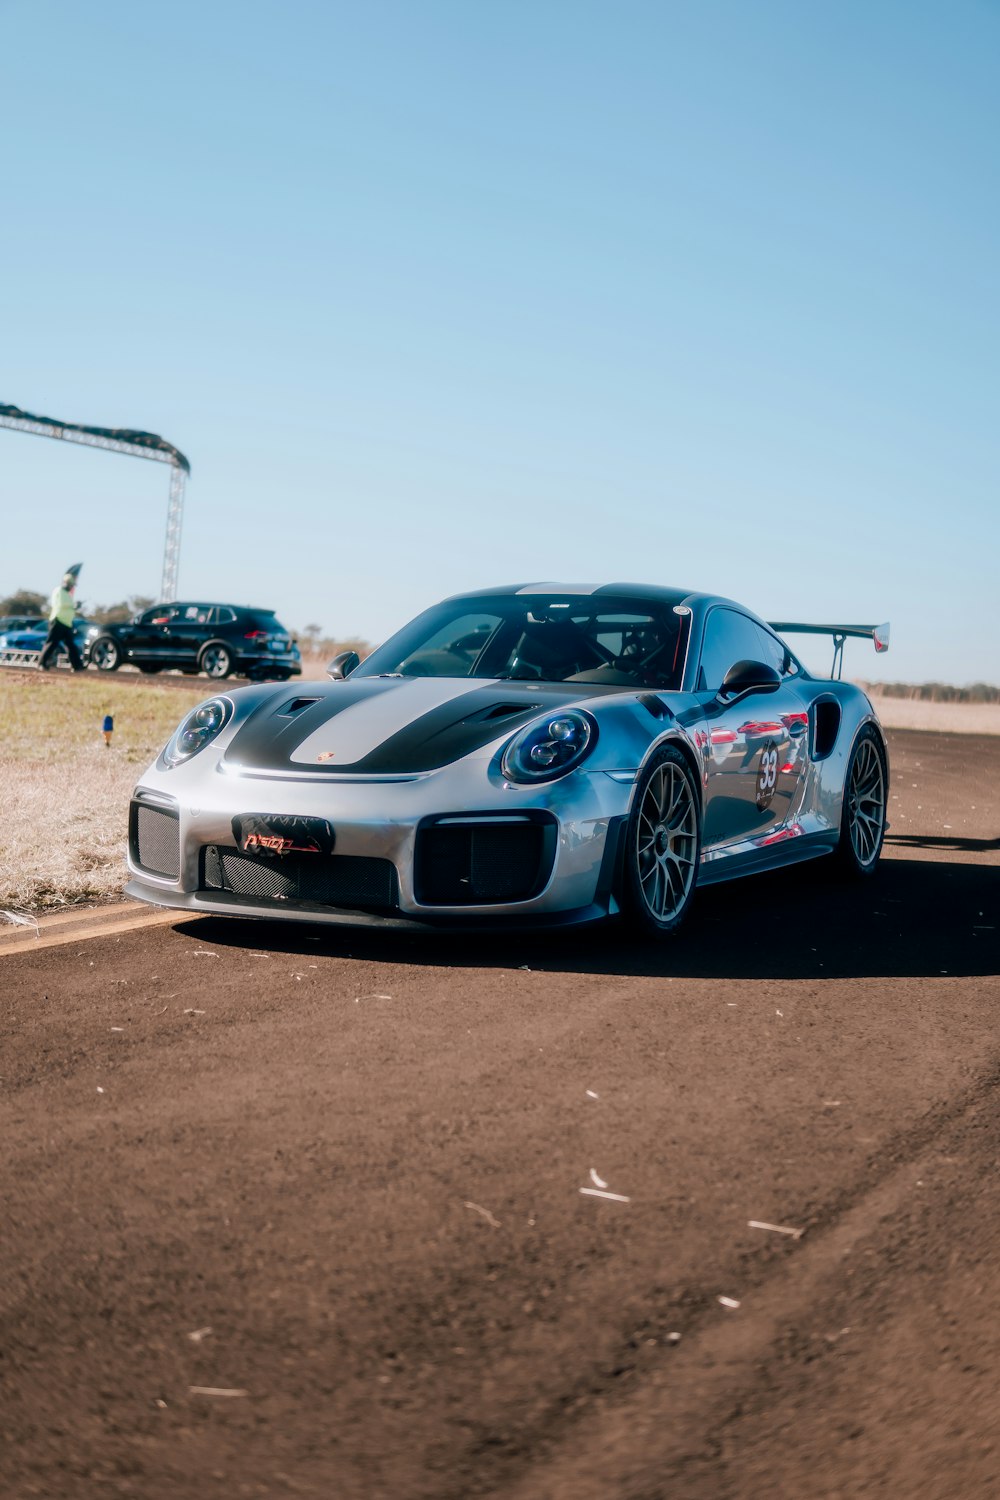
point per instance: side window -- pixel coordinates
(223, 615)
(774, 652)
(729, 637)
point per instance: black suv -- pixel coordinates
(213, 638)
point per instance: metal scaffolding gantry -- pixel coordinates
(137, 445)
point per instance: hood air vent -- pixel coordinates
(508, 710)
(289, 710)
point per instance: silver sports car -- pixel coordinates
(545, 753)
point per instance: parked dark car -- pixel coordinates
(30, 632)
(217, 639)
(18, 632)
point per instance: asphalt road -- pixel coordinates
(335, 1181)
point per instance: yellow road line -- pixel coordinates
(83, 914)
(101, 922)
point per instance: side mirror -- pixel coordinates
(343, 665)
(749, 677)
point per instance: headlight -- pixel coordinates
(197, 730)
(550, 747)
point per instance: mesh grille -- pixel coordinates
(480, 863)
(350, 881)
(157, 841)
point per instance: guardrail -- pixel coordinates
(19, 658)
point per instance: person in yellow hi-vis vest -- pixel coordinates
(61, 613)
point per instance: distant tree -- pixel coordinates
(114, 614)
(935, 692)
(327, 646)
(24, 602)
(350, 643)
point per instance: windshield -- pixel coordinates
(606, 641)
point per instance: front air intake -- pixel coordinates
(350, 882)
(483, 861)
(154, 836)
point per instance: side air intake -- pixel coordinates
(825, 715)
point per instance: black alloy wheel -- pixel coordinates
(216, 660)
(105, 654)
(863, 821)
(662, 845)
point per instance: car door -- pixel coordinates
(756, 741)
(144, 639)
(187, 632)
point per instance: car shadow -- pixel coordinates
(952, 845)
(915, 918)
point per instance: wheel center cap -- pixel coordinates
(662, 839)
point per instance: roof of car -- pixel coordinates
(654, 592)
(257, 609)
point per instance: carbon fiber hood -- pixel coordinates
(389, 725)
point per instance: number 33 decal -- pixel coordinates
(767, 775)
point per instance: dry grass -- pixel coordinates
(65, 793)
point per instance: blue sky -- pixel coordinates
(444, 294)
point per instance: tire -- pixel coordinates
(662, 845)
(866, 800)
(216, 660)
(105, 654)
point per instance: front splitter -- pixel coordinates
(223, 903)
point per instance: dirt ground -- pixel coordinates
(294, 1213)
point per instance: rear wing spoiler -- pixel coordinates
(879, 634)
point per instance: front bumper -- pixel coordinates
(434, 850)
